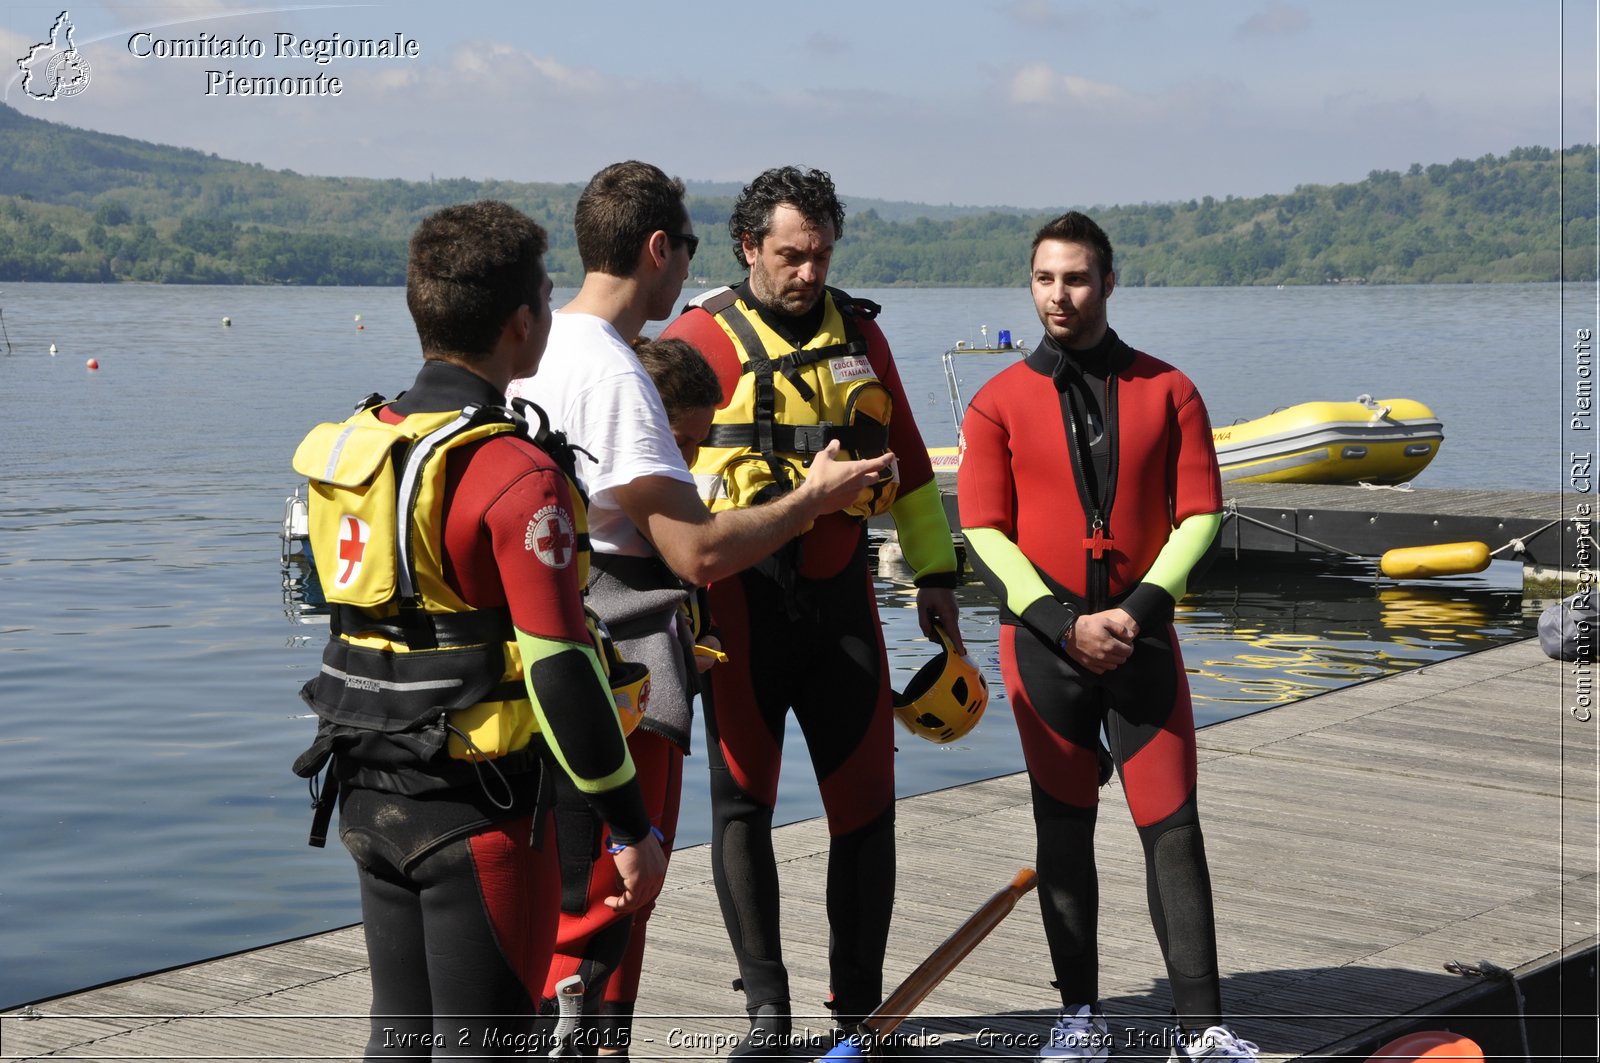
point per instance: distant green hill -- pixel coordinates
(84, 206)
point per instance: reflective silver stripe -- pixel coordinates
(418, 457)
(333, 455)
(363, 683)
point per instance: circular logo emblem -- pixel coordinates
(551, 537)
(67, 73)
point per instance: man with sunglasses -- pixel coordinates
(651, 535)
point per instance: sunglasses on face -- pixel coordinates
(689, 239)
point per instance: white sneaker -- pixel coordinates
(1080, 1033)
(1218, 1042)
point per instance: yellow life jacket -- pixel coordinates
(407, 658)
(789, 404)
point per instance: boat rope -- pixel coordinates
(1232, 510)
(1386, 487)
(1494, 972)
(3, 331)
(1519, 544)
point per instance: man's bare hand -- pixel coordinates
(1102, 641)
(641, 868)
(939, 604)
(831, 485)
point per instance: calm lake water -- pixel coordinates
(150, 670)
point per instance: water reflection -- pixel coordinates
(1258, 634)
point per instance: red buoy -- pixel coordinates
(1430, 1044)
(94, 363)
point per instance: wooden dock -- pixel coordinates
(1359, 841)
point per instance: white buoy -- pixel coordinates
(52, 348)
(358, 317)
(227, 322)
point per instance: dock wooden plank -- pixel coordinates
(1358, 840)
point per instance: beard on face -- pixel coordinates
(794, 301)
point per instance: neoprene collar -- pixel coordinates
(1108, 356)
(442, 385)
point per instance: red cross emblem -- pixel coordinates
(1096, 543)
(550, 535)
(352, 548)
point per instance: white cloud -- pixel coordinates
(1040, 83)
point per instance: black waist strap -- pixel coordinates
(325, 786)
(421, 630)
(805, 440)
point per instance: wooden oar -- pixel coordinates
(933, 970)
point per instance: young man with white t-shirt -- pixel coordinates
(652, 536)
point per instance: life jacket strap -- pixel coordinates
(324, 798)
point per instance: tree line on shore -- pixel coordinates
(84, 206)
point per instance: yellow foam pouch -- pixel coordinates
(629, 680)
(351, 508)
(747, 480)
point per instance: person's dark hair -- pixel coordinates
(1077, 227)
(682, 375)
(808, 191)
(619, 209)
(470, 267)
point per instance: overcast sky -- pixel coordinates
(1031, 103)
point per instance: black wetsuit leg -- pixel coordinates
(825, 660)
(1151, 730)
(1058, 720)
(1146, 711)
(491, 898)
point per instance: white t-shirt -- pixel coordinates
(593, 388)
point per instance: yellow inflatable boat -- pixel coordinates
(1384, 441)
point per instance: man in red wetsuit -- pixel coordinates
(1089, 490)
(804, 365)
(460, 672)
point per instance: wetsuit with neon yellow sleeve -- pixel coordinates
(803, 634)
(1088, 481)
(459, 846)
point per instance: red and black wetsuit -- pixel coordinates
(464, 865)
(1077, 466)
(816, 648)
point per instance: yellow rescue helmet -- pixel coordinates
(946, 698)
(630, 688)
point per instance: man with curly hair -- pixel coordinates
(805, 366)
